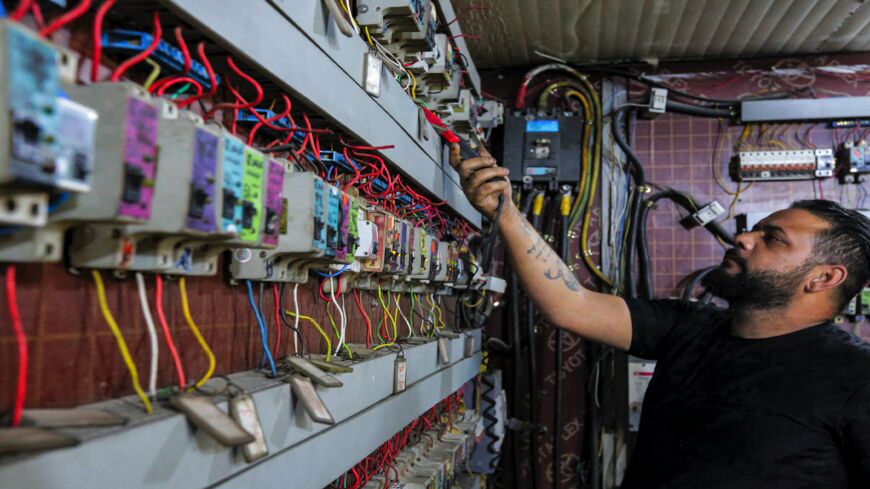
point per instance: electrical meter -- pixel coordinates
(74, 162)
(375, 263)
(125, 161)
(30, 120)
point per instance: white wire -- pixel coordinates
(341, 315)
(352, 19)
(152, 334)
(296, 318)
(410, 329)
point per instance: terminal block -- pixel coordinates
(804, 164)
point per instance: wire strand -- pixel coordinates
(122, 345)
(185, 308)
(152, 335)
(126, 65)
(21, 340)
(167, 334)
(264, 334)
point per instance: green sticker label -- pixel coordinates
(252, 195)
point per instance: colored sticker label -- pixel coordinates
(319, 221)
(332, 221)
(234, 171)
(33, 86)
(140, 159)
(343, 218)
(252, 195)
(353, 230)
(75, 159)
(274, 190)
(375, 263)
(201, 214)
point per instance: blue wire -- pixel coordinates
(262, 325)
(863, 199)
(2, 10)
(331, 275)
(57, 201)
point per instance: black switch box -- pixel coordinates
(545, 148)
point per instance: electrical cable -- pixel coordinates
(688, 292)
(155, 73)
(639, 177)
(167, 334)
(277, 301)
(319, 329)
(126, 65)
(264, 334)
(298, 337)
(21, 10)
(407, 323)
(21, 342)
(119, 338)
(66, 18)
(152, 335)
(98, 38)
(365, 318)
(185, 308)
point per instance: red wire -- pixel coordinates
(277, 320)
(212, 79)
(21, 339)
(98, 37)
(245, 104)
(126, 65)
(66, 18)
(184, 50)
(287, 106)
(176, 81)
(37, 16)
(168, 334)
(22, 9)
(366, 318)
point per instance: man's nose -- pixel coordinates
(746, 241)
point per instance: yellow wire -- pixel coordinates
(319, 329)
(155, 72)
(122, 345)
(478, 303)
(369, 37)
(185, 308)
(386, 309)
(413, 84)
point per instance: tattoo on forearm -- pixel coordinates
(541, 251)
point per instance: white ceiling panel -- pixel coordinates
(596, 31)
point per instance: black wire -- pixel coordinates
(639, 181)
(690, 287)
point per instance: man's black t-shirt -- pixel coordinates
(787, 412)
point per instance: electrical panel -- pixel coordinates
(853, 162)
(543, 148)
(805, 164)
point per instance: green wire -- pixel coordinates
(181, 90)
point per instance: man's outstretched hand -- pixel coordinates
(482, 180)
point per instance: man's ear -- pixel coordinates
(826, 277)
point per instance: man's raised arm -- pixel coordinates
(544, 276)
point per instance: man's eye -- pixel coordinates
(768, 238)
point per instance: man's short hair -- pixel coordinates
(846, 242)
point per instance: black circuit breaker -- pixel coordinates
(543, 148)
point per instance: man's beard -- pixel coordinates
(758, 290)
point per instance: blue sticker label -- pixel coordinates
(233, 167)
(542, 126)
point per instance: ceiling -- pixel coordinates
(593, 31)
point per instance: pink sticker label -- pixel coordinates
(140, 160)
(274, 190)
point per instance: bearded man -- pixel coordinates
(768, 393)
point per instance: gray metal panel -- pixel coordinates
(316, 463)
(163, 451)
(805, 109)
(325, 82)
